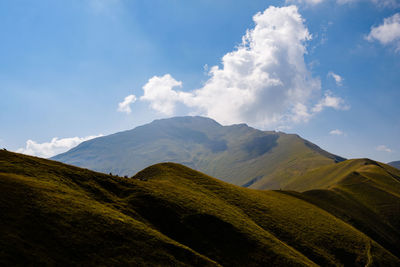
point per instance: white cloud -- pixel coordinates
(330, 101)
(124, 106)
(300, 113)
(336, 132)
(158, 91)
(263, 82)
(388, 32)
(338, 79)
(54, 147)
(384, 148)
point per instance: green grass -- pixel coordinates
(346, 173)
(362, 192)
(167, 214)
(53, 214)
(292, 158)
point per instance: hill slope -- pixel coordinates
(362, 192)
(167, 214)
(237, 154)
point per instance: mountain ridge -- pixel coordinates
(238, 154)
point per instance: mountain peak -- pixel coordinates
(238, 154)
(185, 120)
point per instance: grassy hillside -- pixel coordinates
(237, 154)
(345, 173)
(362, 192)
(167, 214)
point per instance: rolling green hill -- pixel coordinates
(362, 192)
(168, 214)
(237, 154)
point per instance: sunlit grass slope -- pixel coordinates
(362, 192)
(167, 214)
(53, 214)
(347, 173)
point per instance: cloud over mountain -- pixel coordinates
(158, 91)
(263, 82)
(54, 147)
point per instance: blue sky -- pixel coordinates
(66, 66)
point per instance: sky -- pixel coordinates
(328, 70)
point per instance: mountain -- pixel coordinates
(395, 164)
(237, 154)
(169, 214)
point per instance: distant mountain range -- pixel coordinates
(171, 215)
(236, 154)
(395, 164)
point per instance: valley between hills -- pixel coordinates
(330, 212)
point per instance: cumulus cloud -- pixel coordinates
(384, 148)
(54, 147)
(338, 79)
(159, 92)
(264, 81)
(125, 106)
(387, 33)
(336, 132)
